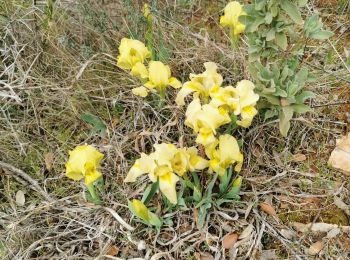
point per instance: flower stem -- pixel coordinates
(233, 39)
(161, 97)
(94, 196)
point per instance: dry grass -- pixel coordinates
(59, 64)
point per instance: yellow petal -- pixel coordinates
(167, 185)
(180, 97)
(139, 70)
(216, 167)
(164, 153)
(245, 90)
(239, 165)
(159, 74)
(205, 120)
(226, 97)
(232, 12)
(92, 176)
(247, 115)
(149, 85)
(205, 136)
(224, 153)
(135, 171)
(213, 117)
(239, 28)
(74, 175)
(83, 160)
(174, 82)
(140, 209)
(228, 150)
(161, 170)
(146, 164)
(192, 112)
(180, 162)
(140, 91)
(196, 162)
(203, 82)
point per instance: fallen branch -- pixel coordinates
(34, 184)
(119, 219)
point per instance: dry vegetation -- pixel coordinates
(59, 63)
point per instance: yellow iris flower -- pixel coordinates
(223, 153)
(247, 101)
(205, 119)
(224, 96)
(166, 163)
(232, 12)
(132, 52)
(240, 100)
(201, 84)
(159, 77)
(187, 159)
(83, 163)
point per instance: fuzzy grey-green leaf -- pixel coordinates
(292, 10)
(321, 35)
(281, 40)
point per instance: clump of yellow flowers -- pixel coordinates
(219, 103)
(166, 164)
(156, 76)
(211, 107)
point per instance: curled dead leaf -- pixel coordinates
(229, 240)
(48, 161)
(246, 232)
(341, 205)
(315, 248)
(113, 251)
(340, 157)
(277, 156)
(289, 234)
(203, 256)
(20, 198)
(299, 157)
(333, 233)
(267, 208)
(314, 227)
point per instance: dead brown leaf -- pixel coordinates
(299, 157)
(340, 157)
(48, 161)
(113, 251)
(315, 248)
(229, 240)
(195, 216)
(203, 256)
(277, 157)
(267, 208)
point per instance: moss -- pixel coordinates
(331, 215)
